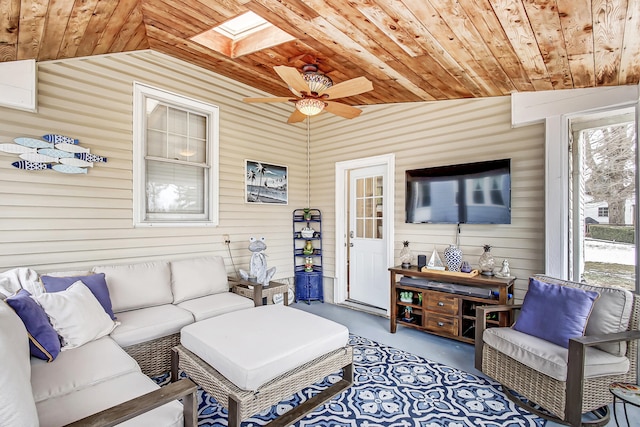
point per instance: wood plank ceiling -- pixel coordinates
(412, 50)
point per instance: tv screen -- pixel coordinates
(471, 193)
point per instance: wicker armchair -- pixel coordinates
(563, 401)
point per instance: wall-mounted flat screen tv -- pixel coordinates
(471, 193)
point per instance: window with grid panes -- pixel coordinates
(175, 159)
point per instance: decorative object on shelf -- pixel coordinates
(406, 296)
(258, 263)
(486, 263)
(307, 232)
(406, 314)
(55, 152)
(465, 267)
(453, 256)
(422, 261)
(308, 248)
(306, 214)
(504, 271)
(405, 255)
(435, 263)
(308, 264)
(265, 183)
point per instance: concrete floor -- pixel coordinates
(447, 351)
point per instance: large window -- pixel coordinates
(175, 159)
(603, 169)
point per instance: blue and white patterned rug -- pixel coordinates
(392, 388)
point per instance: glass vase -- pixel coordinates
(405, 255)
(486, 263)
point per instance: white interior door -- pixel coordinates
(368, 275)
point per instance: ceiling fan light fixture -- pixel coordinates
(310, 106)
(317, 81)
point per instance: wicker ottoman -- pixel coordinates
(251, 359)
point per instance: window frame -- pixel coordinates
(141, 92)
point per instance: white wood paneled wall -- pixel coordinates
(53, 221)
(435, 134)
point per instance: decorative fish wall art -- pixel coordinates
(53, 152)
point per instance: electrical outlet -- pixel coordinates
(226, 239)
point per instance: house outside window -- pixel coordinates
(603, 212)
(175, 159)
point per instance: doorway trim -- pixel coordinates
(341, 203)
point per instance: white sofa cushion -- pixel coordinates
(141, 285)
(79, 368)
(249, 348)
(549, 358)
(215, 305)
(146, 324)
(73, 406)
(197, 277)
(76, 315)
(17, 408)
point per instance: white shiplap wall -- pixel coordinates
(51, 221)
(435, 134)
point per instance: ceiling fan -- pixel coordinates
(315, 92)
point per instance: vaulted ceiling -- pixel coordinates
(412, 50)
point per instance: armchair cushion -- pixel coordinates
(555, 313)
(551, 359)
(611, 313)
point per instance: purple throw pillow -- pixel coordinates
(95, 282)
(555, 313)
(44, 342)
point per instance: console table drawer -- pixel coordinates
(442, 324)
(442, 304)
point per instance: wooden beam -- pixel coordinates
(608, 32)
(97, 24)
(32, 21)
(630, 60)
(76, 27)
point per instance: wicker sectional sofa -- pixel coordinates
(152, 301)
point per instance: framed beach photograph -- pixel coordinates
(265, 183)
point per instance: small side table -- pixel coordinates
(627, 393)
(247, 289)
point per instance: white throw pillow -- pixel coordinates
(76, 315)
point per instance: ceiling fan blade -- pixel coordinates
(272, 99)
(293, 78)
(349, 88)
(296, 117)
(342, 110)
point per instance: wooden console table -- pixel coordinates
(443, 313)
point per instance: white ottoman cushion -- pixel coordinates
(81, 367)
(251, 347)
(215, 305)
(197, 277)
(73, 406)
(141, 285)
(146, 324)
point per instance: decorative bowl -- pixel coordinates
(307, 232)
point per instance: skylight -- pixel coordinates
(242, 35)
(242, 25)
